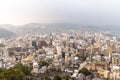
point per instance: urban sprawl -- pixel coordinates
(70, 55)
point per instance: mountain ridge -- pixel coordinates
(5, 33)
(51, 27)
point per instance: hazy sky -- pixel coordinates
(100, 12)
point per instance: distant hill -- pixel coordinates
(58, 27)
(9, 27)
(53, 27)
(5, 33)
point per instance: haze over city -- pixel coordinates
(59, 40)
(88, 12)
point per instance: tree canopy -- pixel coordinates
(18, 72)
(85, 71)
(57, 78)
(43, 63)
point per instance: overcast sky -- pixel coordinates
(97, 12)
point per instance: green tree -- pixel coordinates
(43, 63)
(12, 74)
(1, 70)
(66, 78)
(18, 72)
(85, 71)
(57, 78)
(26, 70)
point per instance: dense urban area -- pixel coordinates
(72, 55)
(59, 39)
